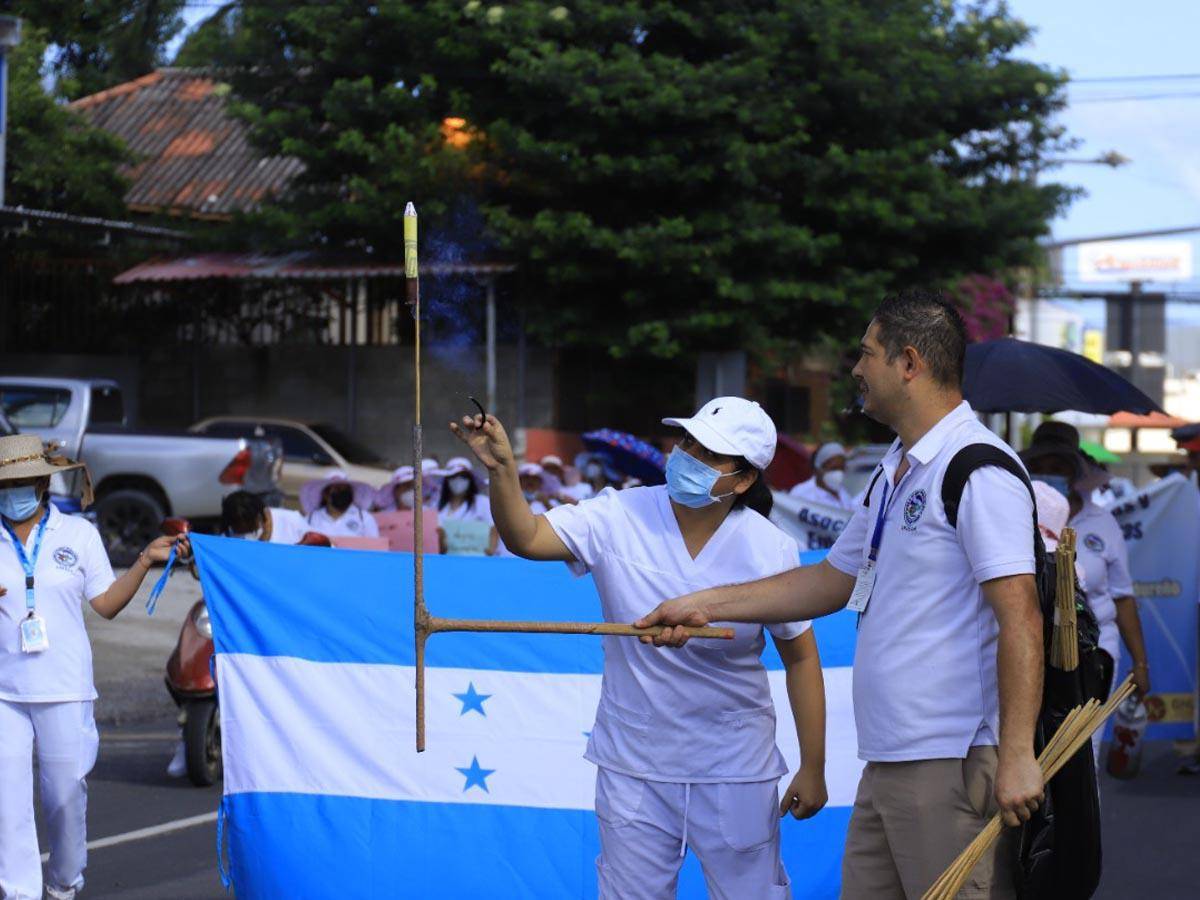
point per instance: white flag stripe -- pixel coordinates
(346, 729)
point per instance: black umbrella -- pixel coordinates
(1008, 375)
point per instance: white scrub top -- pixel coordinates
(925, 683)
(288, 526)
(822, 511)
(478, 510)
(701, 714)
(72, 569)
(352, 523)
(580, 491)
(1101, 553)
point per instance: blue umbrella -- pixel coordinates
(628, 454)
(1008, 375)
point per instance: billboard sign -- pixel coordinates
(1135, 261)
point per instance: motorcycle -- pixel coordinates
(192, 684)
(191, 677)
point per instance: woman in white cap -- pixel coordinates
(685, 745)
(337, 507)
(827, 505)
(50, 566)
(460, 500)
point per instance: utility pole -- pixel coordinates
(10, 36)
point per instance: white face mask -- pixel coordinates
(833, 479)
(254, 535)
(405, 498)
(593, 470)
(459, 485)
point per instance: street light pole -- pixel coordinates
(10, 36)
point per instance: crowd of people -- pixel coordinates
(339, 508)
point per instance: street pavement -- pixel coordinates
(158, 835)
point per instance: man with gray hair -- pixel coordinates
(949, 659)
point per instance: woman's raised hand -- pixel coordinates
(486, 438)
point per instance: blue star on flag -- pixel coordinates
(476, 776)
(472, 700)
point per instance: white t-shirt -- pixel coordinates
(478, 510)
(288, 526)
(352, 523)
(703, 713)
(925, 663)
(580, 491)
(810, 490)
(1102, 555)
(72, 569)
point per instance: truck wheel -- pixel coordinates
(128, 520)
(202, 743)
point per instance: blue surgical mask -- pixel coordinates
(19, 503)
(1060, 483)
(690, 482)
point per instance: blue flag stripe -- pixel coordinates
(299, 845)
(247, 582)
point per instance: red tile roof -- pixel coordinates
(193, 158)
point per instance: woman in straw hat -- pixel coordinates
(50, 565)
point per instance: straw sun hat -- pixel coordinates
(24, 456)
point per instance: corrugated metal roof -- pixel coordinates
(292, 266)
(193, 158)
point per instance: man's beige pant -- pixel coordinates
(911, 819)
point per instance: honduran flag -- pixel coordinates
(325, 795)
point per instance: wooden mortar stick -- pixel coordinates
(438, 625)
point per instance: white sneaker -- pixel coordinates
(60, 893)
(178, 765)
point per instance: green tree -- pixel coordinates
(670, 177)
(95, 44)
(56, 160)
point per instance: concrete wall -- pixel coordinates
(365, 391)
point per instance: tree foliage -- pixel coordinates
(669, 177)
(56, 160)
(95, 44)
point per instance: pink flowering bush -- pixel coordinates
(986, 305)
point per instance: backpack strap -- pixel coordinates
(964, 463)
(871, 487)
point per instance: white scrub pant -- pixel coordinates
(646, 827)
(67, 742)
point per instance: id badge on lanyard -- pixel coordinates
(33, 627)
(864, 584)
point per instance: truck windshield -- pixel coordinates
(34, 407)
(350, 450)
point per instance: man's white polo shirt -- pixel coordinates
(925, 663)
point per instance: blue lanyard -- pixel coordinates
(161, 584)
(877, 535)
(26, 563)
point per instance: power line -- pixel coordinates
(1137, 98)
(1104, 79)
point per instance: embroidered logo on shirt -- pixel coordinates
(66, 558)
(914, 506)
(1094, 542)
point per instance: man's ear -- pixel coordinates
(913, 365)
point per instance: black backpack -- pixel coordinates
(1060, 854)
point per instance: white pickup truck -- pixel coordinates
(140, 476)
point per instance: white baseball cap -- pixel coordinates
(551, 460)
(733, 426)
(826, 452)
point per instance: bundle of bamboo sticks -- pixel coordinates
(1064, 647)
(1075, 731)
